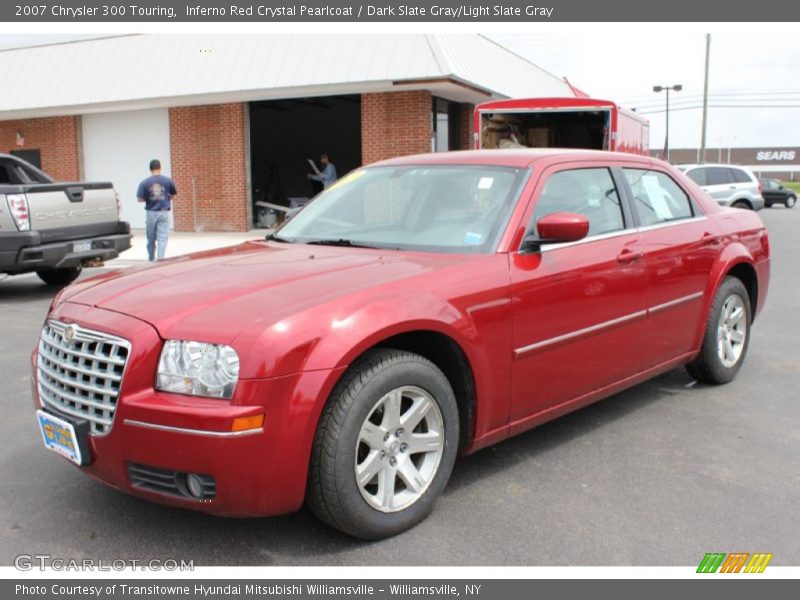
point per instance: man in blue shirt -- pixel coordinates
(157, 193)
(328, 174)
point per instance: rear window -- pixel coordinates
(740, 176)
(657, 197)
(17, 173)
(711, 176)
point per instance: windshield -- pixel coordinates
(442, 208)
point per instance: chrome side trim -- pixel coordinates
(606, 324)
(671, 303)
(621, 232)
(589, 240)
(672, 223)
(573, 334)
(201, 432)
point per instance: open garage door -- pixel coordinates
(118, 146)
(284, 134)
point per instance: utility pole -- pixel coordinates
(702, 157)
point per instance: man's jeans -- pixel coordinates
(157, 231)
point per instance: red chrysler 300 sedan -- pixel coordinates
(420, 308)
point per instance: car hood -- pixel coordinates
(213, 296)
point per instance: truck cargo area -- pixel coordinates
(545, 129)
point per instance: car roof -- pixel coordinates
(695, 165)
(523, 157)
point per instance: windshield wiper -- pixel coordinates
(342, 242)
(271, 237)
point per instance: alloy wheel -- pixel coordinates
(731, 330)
(399, 448)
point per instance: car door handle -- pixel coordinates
(628, 256)
(709, 239)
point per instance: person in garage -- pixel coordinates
(327, 176)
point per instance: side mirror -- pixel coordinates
(557, 228)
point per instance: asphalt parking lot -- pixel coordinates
(658, 475)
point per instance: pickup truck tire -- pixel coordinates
(385, 445)
(59, 277)
(726, 337)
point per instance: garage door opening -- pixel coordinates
(284, 134)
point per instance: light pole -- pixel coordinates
(724, 142)
(729, 147)
(666, 88)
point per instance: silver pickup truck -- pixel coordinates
(55, 228)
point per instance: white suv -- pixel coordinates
(730, 185)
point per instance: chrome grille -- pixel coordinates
(79, 372)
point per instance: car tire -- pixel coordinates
(369, 428)
(742, 204)
(726, 337)
(767, 204)
(59, 277)
(790, 202)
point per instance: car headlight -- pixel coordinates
(198, 369)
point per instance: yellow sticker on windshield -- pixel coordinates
(349, 178)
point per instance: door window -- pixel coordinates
(657, 197)
(589, 192)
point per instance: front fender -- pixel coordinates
(328, 338)
(472, 310)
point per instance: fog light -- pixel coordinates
(194, 485)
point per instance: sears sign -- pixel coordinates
(763, 155)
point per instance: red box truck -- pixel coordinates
(560, 123)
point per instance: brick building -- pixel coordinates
(234, 118)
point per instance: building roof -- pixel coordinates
(147, 71)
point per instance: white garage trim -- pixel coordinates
(118, 147)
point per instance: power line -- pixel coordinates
(649, 97)
(693, 98)
(651, 112)
(766, 102)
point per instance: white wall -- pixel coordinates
(118, 147)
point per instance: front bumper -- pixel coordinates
(26, 251)
(257, 472)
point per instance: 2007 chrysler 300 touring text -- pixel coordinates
(419, 308)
